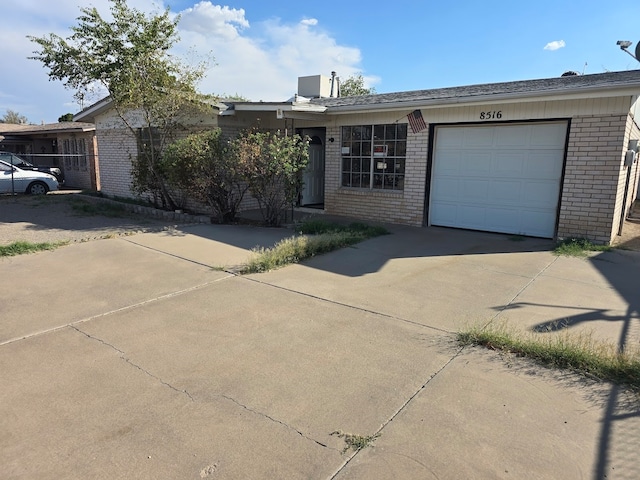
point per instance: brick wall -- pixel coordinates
(116, 147)
(594, 178)
(405, 207)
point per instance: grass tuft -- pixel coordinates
(318, 238)
(578, 352)
(21, 248)
(578, 247)
(316, 227)
(355, 442)
(87, 209)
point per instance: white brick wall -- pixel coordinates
(406, 206)
(594, 177)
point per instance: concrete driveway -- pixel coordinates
(137, 357)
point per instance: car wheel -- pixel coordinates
(37, 188)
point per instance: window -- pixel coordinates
(373, 156)
(75, 154)
(66, 150)
(82, 152)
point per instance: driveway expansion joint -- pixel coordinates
(402, 408)
(268, 417)
(341, 304)
(126, 359)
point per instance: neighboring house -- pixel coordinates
(70, 146)
(118, 146)
(551, 158)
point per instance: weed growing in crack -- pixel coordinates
(355, 442)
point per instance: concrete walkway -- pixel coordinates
(138, 357)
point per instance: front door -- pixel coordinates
(313, 177)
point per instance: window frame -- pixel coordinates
(373, 157)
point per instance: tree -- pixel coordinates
(67, 117)
(151, 91)
(236, 97)
(354, 85)
(201, 166)
(272, 164)
(13, 117)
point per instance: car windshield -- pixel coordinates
(14, 160)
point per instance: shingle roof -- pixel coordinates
(558, 85)
(15, 129)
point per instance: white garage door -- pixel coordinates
(498, 178)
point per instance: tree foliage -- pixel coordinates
(149, 89)
(67, 117)
(201, 166)
(272, 164)
(354, 85)
(13, 117)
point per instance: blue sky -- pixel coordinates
(261, 47)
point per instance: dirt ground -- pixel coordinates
(64, 216)
(630, 238)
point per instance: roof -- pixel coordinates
(60, 127)
(577, 85)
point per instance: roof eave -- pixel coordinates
(559, 94)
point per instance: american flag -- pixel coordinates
(416, 121)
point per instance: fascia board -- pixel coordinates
(488, 99)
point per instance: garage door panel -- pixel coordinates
(477, 137)
(476, 164)
(450, 164)
(506, 192)
(544, 165)
(539, 194)
(547, 135)
(446, 189)
(510, 163)
(502, 178)
(512, 136)
(474, 189)
(449, 139)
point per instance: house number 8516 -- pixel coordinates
(491, 115)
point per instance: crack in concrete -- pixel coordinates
(401, 409)
(521, 291)
(126, 359)
(117, 310)
(340, 304)
(231, 399)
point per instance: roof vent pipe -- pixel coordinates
(335, 85)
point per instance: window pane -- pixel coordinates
(346, 134)
(391, 149)
(366, 180)
(401, 148)
(378, 132)
(401, 131)
(346, 179)
(366, 132)
(390, 133)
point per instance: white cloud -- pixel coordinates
(265, 61)
(555, 45)
(261, 60)
(213, 20)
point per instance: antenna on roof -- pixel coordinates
(624, 44)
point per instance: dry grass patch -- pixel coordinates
(579, 352)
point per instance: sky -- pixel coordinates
(261, 47)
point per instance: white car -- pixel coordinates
(15, 180)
